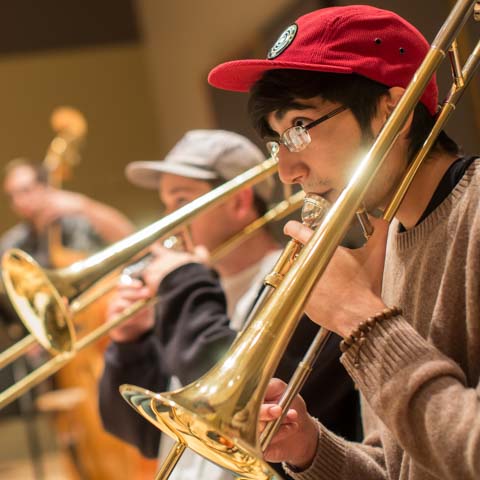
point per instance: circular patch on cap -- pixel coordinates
(284, 40)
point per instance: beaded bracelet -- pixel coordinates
(359, 334)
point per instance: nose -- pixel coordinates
(291, 168)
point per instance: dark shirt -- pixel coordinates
(77, 234)
(450, 178)
(191, 334)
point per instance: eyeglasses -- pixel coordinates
(296, 138)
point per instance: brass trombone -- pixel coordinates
(217, 415)
(36, 294)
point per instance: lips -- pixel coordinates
(327, 195)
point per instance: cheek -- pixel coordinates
(345, 149)
(210, 228)
(196, 231)
(202, 228)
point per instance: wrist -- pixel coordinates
(359, 335)
(366, 309)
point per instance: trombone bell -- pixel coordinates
(34, 297)
(200, 430)
(217, 415)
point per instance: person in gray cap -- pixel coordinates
(202, 309)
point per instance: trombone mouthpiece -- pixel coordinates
(314, 209)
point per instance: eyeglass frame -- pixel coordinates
(273, 146)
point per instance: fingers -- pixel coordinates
(277, 449)
(284, 431)
(133, 291)
(202, 254)
(159, 250)
(269, 412)
(275, 389)
(128, 282)
(272, 411)
(298, 231)
(119, 305)
(126, 295)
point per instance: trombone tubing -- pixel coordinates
(60, 360)
(86, 272)
(16, 350)
(448, 108)
(287, 303)
(278, 212)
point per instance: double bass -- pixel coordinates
(93, 454)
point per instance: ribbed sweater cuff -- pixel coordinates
(389, 347)
(329, 460)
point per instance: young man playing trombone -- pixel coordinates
(198, 316)
(411, 330)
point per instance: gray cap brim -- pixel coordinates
(146, 174)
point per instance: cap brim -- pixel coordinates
(240, 75)
(146, 174)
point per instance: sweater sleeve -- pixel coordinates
(137, 363)
(192, 325)
(339, 459)
(422, 397)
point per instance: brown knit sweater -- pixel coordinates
(419, 374)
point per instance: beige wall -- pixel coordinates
(184, 40)
(138, 99)
(109, 86)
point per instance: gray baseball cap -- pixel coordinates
(204, 155)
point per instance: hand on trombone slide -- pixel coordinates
(166, 260)
(144, 285)
(126, 295)
(296, 440)
(349, 290)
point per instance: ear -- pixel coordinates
(388, 104)
(241, 203)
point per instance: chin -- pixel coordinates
(376, 200)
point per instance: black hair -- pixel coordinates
(259, 204)
(40, 172)
(279, 90)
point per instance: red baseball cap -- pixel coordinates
(375, 43)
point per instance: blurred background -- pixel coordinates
(136, 70)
